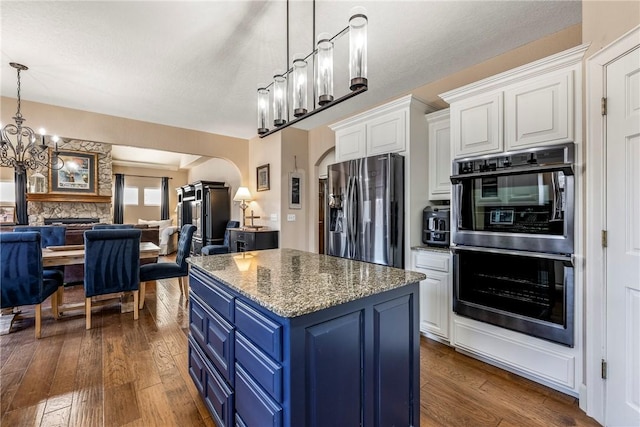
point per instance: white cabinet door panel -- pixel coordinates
(386, 134)
(350, 143)
(439, 134)
(434, 303)
(540, 112)
(476, 126)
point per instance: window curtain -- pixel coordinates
(118, 200)
(20, 178)
(164, 198)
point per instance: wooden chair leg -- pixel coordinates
(143, 286)
(181, 285)
(135, 304)
(184, 286)
(54, 305)
(38, 320)
(87, 311)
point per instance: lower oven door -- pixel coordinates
(528, 292)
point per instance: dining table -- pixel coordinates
(54, 256)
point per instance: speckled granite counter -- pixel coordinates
(430, 249)
(292, 283)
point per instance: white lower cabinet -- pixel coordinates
(435, 292)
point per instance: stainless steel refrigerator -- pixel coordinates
(365, 210)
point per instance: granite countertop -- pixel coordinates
(431, 248)
(292, 283)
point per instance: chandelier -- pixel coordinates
(24, 152)
(296, 77)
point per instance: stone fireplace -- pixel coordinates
(56, 206)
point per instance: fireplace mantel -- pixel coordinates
(68, 198)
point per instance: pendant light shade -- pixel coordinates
(299, 85)
(263, 110)
(325, 69)
(358, 48)
(279, 99)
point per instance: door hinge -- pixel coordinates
(603, 369)
(604, 238)
(603, 105)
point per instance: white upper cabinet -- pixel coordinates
(350, 143)
(438, 131)
(476, 125)
(385, 129)
(387, 134)
(530, 106)
(540, 112)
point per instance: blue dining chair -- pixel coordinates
(50, 235)
(21, 274)
(111, 265)
(224, 247)
(167, 270)
(112, 226)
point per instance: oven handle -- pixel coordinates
(570, 259)
(566, 168)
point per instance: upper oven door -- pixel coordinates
(523, 208)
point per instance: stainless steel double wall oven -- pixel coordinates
(512, 233)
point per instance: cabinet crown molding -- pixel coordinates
(542, 66)
(398, 104)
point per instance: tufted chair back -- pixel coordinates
(184, 246)
(50, 235)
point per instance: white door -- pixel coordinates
(622, 406)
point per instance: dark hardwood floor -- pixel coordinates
(134, 373)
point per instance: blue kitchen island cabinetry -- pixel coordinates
(289, 338)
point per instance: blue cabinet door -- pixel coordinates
(334, 362)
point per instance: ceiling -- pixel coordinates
(197, 64)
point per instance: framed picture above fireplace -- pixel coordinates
(77, 175)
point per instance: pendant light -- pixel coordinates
(325, 69)
(279, 99)
(263, 110)
(358, 48)
(299, 85)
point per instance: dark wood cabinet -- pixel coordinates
(210, 212)
(186, 195)
(241, 240)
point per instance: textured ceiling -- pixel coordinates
(197, 64)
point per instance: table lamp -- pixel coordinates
(243, 196)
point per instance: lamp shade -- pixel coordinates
(242, 194)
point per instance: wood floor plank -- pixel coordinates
(57, 418)
(144, 369)
(120, 404)
(182, 364)
(9, 381)
(64, 380)
(116, 367)
(183, 405)
(155, 408)
(36, 382)
(23, 417)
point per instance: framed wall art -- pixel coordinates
(7, 215)
(295, 190)
(78, 174)
(262, 178)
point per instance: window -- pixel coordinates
(7, 192)
(151, 196)
(131, 196)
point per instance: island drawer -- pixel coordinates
(253, 405)
(215, 336)
(217, 395)
(263, 331)
(212, 294)
(262, 369)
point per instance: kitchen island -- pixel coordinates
(289, 338)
